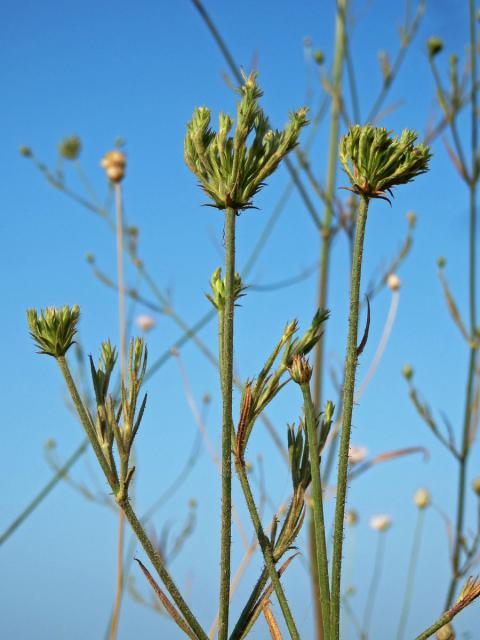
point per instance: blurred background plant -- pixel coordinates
(278, 264)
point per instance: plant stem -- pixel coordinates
(326, 236)
(318, 517)
(329, 191)
(441, 622)
(226, 372)
(374, 583)
(157, 562)
(136, 525)
(472, 316)
(123, 366)
(348, 394)
(265, 546)
(417, 536)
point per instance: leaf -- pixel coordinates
(166, 603)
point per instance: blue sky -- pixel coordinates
(103, 70)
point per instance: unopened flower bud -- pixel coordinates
(319, 57)
(328, 412)
(445, 633)
(145, 323)
(411, 218)
(435, 46)
(476, 486)
(441, 262)
(26, 152)
(69, 148)
(300, 370)
(357, 454)
(422, 498)
(393, 282)
(351, 518)
(407, 372)
(381, 523)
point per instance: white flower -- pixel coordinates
(357, 454)
(422, 498)
(380, 522)
(145, 323)
(393, 282)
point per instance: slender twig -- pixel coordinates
(412, 565)
(318, 515)
(325, 250)
(123, 367)
(265, 546)
(348, 394)
(124, 503)
(372, 590)
(472, 248)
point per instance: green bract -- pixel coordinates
(53, 329)
(230, 171)
(375, 162)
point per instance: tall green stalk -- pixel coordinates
(412, 565)
(266, 548)
(124, 503)
(472, 248)
(372, 590)
(226, 371)
(348, 394)
(318, 515)
(326, 238)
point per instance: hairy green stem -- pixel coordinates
(244, 618)
(318, 516)
(123, 367)
(326, 236)
(412, 565)
(348, 395)
(266, 548)
(226, 372)
(125, 505)
(157, 562)
(441, 622)
(459, 521)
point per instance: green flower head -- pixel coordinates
(375, 162)
(53, 329)
(229, 170)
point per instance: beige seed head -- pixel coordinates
(422, 498)
(393, 282)
(381, 522)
